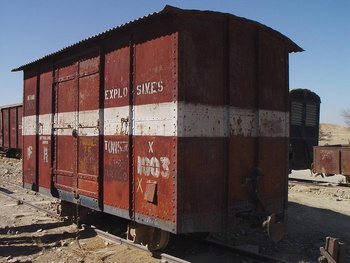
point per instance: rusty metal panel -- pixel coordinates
(154, 64)
(273, 73)
(45, 129)
(13, 128)
(345, 160)
(19, 129)
(65, 143)
(243, 68)
(202, 66)
(65, 157)
(116, 146)
(88, 127)
(6, 127)
(30, 130)
(155, 163)
(76, 124)
(29, 165)
(327, 160)
(200, 183)
(88, 165)
(240, 168)
(154, 131)
(117, 74)
(246, 114)
(116, 172)
(273, 162)
(1, 134)
(89, 84)
(44, 161)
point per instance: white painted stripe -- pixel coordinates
(165, 119)
(89, 123)
(64, 123)
(243, 122)
(273, 123)
(197, 120)
(115, 121)
(155, 119)
(45, 122)
(29, 125)
(218, 121)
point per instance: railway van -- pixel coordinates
(177, 121)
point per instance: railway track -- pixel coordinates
(218, 250)
(315, 181)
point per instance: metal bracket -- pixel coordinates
(125, 125)
(276, 229)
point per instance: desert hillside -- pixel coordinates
(334, 134)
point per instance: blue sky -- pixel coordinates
(31, 29)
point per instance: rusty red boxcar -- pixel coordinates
(11, 130)
(177, 121)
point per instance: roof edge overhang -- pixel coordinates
(11, 105)
(292, 47)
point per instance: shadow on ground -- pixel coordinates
(27, 243)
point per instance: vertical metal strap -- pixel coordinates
(174, 148)
(257, 96)
(37, 129)
(101, 127)
(132, 169)
(76, 120)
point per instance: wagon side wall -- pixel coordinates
(1, 130)
(201, 123)
(100, 124)
(30, 100)
(163, 121)
(233, 117)
(11, 129)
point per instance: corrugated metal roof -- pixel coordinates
(11, 105)
(167, 10)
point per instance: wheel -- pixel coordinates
(159, 239)
(153, 238)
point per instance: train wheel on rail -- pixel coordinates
(159, 239)
(153, 238)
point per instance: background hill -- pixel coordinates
(334, 134)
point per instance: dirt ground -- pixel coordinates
(30, 236)
(315, 212)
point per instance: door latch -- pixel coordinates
(125, 126)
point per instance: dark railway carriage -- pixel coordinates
(177, 121)
(304, 127)
(11, 130)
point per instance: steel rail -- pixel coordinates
(38, 208)
(125, 242)
(244, 251)
(121, 241)
(100, 233)
(315, 181)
